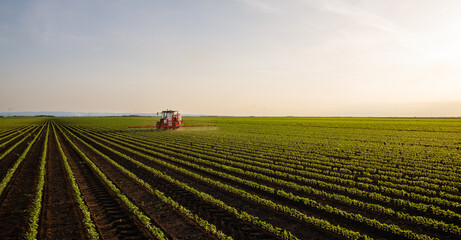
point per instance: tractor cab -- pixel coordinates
(169, 120)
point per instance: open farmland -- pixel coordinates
(246, 178)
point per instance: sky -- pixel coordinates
(232, 57)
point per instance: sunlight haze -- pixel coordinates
(236, 57)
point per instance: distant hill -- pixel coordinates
(82, 114)
(72, 114)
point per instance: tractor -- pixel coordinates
(169, 120)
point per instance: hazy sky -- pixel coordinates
(232, 57)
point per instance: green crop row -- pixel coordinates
(34, 215)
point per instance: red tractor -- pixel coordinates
(169, 120)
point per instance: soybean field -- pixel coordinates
(245, 178)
